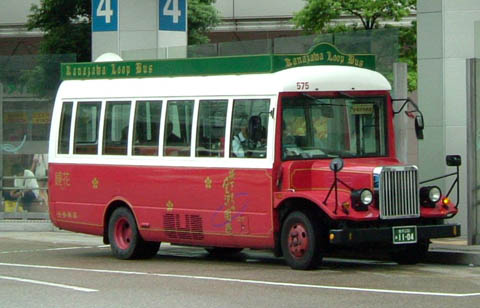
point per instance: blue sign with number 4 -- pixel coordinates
(173, 15)
(104, 15)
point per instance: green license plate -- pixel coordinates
(404, 234)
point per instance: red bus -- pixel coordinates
(300, 161)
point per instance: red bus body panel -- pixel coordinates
(195, 206)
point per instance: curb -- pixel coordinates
(26, 226)
(453, 255)
(453, 258)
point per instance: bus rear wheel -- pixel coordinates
(300, 241)
(125, 240)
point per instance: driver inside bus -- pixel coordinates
(250, 137)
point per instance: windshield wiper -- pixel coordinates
(344, 95)
(309, 96)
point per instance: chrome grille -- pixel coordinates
(398, 192)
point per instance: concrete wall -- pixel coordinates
(255, 9)
(17, 11)
(445, 40)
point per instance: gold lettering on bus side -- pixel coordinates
(143, 69)
(351, 60)
(228, 215)
(68, 70)
(95, 183)
(228, 228)
(65, 214)
(228, 184)
(114, 70)
(169, 206)
(288, 62)
(208, 183)
(62, 179)
(335, 58)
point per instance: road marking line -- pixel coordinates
(50, 284)
(52, 249)
(245, 281)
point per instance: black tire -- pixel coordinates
(409, 254)
(125, 240)
(149, 250)
(301, 241)
(223, 251)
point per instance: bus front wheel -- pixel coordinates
(125, 240)
(300, 241)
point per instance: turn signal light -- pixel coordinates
(446, 202)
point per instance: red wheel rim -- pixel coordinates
(298, 240)
(123, 233)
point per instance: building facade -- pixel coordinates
(448, 35)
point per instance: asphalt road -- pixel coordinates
(73, 271)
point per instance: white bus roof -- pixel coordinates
(320, 78)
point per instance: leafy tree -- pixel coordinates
(67, 30)
(66, 25)
(317, 15)
(202, 17)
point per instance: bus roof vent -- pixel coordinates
(109, 57)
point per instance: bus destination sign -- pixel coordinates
(321, 54)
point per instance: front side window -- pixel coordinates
(249, 128)
(321, 127)
(86, 128)
(178, 128)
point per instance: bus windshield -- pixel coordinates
(322, 127)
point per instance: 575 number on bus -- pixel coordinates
(303, 85)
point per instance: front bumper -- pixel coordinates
(385, 234)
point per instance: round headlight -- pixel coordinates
(434, 194)
(366, 197)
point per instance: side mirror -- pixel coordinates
(336, 164)
(454, 160)
(419, 127)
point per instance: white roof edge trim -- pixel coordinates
(320, 78)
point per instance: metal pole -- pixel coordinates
(472, 197)
(400, 88)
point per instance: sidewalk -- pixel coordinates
(442, 251)
(453, 251)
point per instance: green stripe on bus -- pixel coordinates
(321, 54)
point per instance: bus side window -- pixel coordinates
(146, 128)
(211, 128)
(64, 133)
(249, 128)
(87, 122)
(115, 132)
(178, 128)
